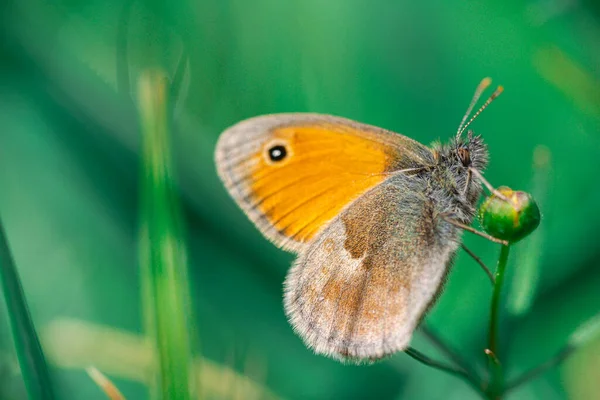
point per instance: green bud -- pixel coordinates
(510, 220)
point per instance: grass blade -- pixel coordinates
(74, 344)
(523, 288)
(29, 352)
(162, 248)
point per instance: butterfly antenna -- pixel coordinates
(493, 97)
(484, 84)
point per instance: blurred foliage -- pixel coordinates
(166, 298)
(32, 362)
(70, 151)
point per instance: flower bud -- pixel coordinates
(510, 220)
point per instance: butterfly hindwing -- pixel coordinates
(360, 289)
(294, 173)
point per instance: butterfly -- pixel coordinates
(374, 217)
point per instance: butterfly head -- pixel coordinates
(469, 153)
(453, 173)
(463, 155)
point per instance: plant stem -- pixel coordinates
(456, 358)
(481, 264)
(496, 375)
(495, 308)
(422, 358)
(450, 369)
(27, 345)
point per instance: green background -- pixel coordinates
(70, 157)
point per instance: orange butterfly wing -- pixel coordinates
(293, 173)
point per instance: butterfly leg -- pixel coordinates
(473, 230)
(481, 264)
(466, 189)
(488, 185)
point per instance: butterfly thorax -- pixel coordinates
(451, 185)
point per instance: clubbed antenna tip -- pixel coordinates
(483, 85)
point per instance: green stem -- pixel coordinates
(422, 358)
(496, 373)
(456, 358)
(450, 369)
(481, 264)
(27, 345)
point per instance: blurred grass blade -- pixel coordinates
(540, 369)
(74, 344)
(165, 296)
(525, 279)
(586, 333)
(178, 76)
(105, 384)
(29, 352)
(123, 84)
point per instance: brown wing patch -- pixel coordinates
(329, 162)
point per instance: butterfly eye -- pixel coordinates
(464, 156)
(277, 153)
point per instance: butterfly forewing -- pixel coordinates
(294, 173)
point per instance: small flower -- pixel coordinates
(510, 220)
